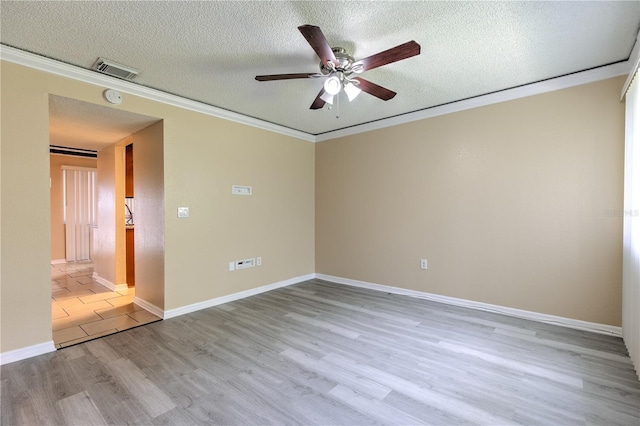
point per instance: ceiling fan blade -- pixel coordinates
(395, 54)
(318, 103)
(375, 90)
(286, 76)
(319, 43)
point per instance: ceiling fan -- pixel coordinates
(338, 66)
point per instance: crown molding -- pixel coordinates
(634, 66)
(559, 83)
(41, 63)
(53, 66)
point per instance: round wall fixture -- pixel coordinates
(113, 96)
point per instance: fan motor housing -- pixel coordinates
(344, 61)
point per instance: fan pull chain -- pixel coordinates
(338, 106)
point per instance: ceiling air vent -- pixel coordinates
(114, 69)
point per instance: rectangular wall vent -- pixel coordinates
(114, 69)
(78, 152)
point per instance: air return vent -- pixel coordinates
(114, 69)
(78, 152)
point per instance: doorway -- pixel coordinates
(90, 296)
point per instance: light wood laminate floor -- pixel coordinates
(82, 309)
(318, 353)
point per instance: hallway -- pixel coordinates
(83, 309)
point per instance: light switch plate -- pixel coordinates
(183, 211)
(240, 190)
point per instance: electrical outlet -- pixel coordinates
(423, 263)
(258, 261)
(183, 211)
(232, 266)
(245, 263)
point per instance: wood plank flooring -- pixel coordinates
(319, 353)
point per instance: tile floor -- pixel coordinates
(83, 309)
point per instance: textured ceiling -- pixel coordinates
(210, 51)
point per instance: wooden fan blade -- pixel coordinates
(395, 54)
(374, 89)
(318, 42)
(318, 103)
(285, 76)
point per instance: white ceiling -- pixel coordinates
(78, 124)
(210, 51)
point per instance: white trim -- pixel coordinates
(108, 284)
(559, 83)
(512, 312)
(31, 60)
(58, 261)
(28, 352)
(52, 66)
(235, 296)
(148, 307)
(634, 60)
(43, 348)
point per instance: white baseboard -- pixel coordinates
(518, 313)
(149, 307)
(108, 284)
(28, 352)
(235, 296)
(58, 261)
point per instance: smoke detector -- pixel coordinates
(114, 69)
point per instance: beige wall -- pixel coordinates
(109, 237)
(506, 202)
(25, 293)
(202, 156)
(57, 201)
(276, 222)
(148, 213)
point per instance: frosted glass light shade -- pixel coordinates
(328, 98)
(351, 90)
(332, 85)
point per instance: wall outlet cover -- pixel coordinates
(183, 211)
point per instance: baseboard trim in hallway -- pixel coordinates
(108, 284)
(149, 307)
(487, 307)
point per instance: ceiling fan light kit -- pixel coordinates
(338, 67)
(327, 97)
(351, 90)
(332, 85)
